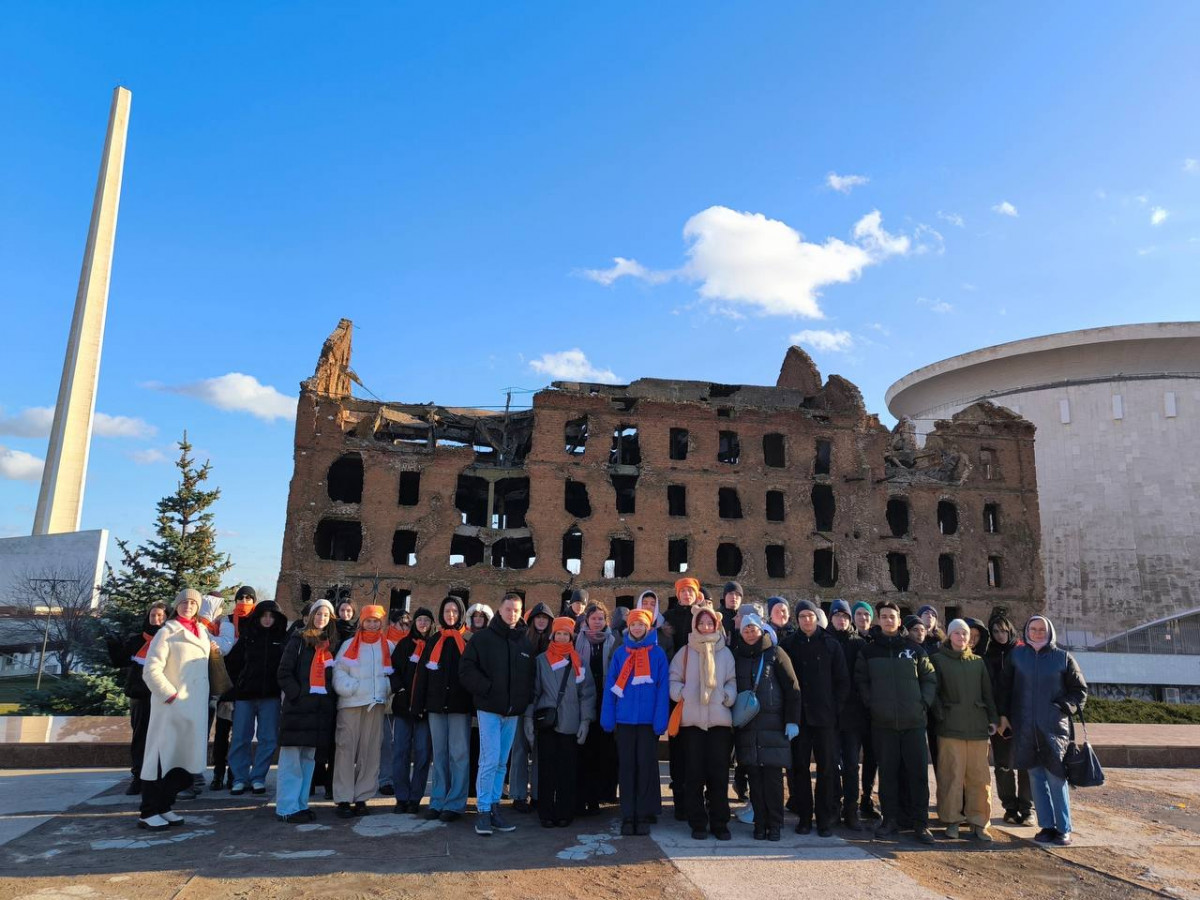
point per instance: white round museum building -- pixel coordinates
(1117, 412)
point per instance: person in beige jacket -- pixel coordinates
(176, 672)
(704, 681)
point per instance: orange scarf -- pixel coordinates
(637, 664)
(418, 649)
(140, 656)
(559, 654)
(241, 609)
(322, 659)
(452, 634)
(360, 637)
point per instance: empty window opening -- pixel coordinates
(946, 571)
(824, 507)
(729, 505)
(620, 558)
(625, 601)
(338, 539)
(898, 570)
(399, 599)
(510, 503)
(471, 500)
(679, 443)
(465, 551)
(897, 516)
(994, 577)
(305, 594)
(575, 499)
(625, 487)
(624, 404)
(512, 553)
(572, 551)
(625, 448)
(987, 462)
(729, 560)
(775, 506)
(404, 548)
(676, 500)
(774, 454)
(823, 459)
(345, 479)
(952, 613)
(825, 568)
(720, 391)
(729, 449)
(677, 555)
(462, 593)
(776, 561)
(410, 488)
(947, 517)
(725, 412)
(575, 434)
(991, 518)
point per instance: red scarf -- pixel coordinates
(560, 653)
(637, 664)
(189, 624)
(322, 658)
(140, 656)
(452, 634)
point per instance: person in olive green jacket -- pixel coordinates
(898, 685)
(966, 716)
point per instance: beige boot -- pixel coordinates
(952, 832)
(982, 834)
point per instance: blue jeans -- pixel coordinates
(412, 752)
(385, 752)
(1051, 799)
(450, 735)
(496, 733)
(247, 714)
(293, 778)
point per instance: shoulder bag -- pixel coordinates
(745, 705)
(676, 719)
(1083, 768)
(546, 718)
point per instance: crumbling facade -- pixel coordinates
(793, 490)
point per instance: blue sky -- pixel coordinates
(460, 182)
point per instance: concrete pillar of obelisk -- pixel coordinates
(60, 502)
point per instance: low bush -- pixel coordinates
(1141, 712)
(77, 695)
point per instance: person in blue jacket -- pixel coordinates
(636, 707)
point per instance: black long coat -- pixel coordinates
(762, 742)
(306, 719)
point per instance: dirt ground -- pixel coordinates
(1137, 837)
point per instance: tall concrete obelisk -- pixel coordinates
(60, 502)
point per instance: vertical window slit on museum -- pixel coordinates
(404, 547)
(575, 434)
(775, 506)
(620, 558)
(774, 453)
(824, 507)
(676, 500)
(625, 487)
(575, 499)
(946, 571)
(625, 448)
(825, 567)
(677, 555)
(947, 517)
(410, 488)
(823, 459)
(344, 481)
(572, 550)
(897, 516)
(898, 570)
(776, 561)
(729, 560)
(729, 449)
(729, 505)
(679, 443)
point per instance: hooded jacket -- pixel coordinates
(820, 668)
(538, 640)
(642, 704)
(997, 653)
(497, 669)
(896, 681)
(441, 690)
(597, 658)
(965, 706)
(306, 719)
(404, 669)
(135, 686)
(253, 663)
(761, 741)
(1040, 688)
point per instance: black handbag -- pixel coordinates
(546, 718)
(1083, 768)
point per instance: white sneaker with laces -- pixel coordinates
(154, 823)
(172, 817)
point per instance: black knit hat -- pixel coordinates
(243, 592)
(733, 586)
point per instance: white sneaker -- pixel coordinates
(154, 823)
(172, 817)
(745, 815)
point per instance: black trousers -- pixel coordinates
(139, 721)
(766, 796)
(869, 764)
(637, 760)
(1012, 785)
(849, 748)
(706, 771)
(820, 743)
(597, 769)
(220, 750)
(158, 796)
(558, 764)
(903, 758)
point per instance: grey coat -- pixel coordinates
(578, 701)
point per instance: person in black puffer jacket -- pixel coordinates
(253, 665)
(412, 746)
(309, 713)
(132, 657)
(346, 620)
(1041, 688)
(763, 744)
(1012, 785)
(854, 722)
(820, 668)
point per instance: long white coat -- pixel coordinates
(177, 664)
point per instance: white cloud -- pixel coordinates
(236, 392)
(870, 233)
(36, 422)
(938, 306)
(1004, 208)
(1192, 166)
(829, 341)
(17, 465)
(1158, 215)
(880, 327)
(148, 457)
(953, 218)
(571, 365)
(844, 184)
(621, 268)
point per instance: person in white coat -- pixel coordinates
(176, 672)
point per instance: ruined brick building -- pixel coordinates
(793, 489)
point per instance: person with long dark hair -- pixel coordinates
(134, 658)
(598, 755)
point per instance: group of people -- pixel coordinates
(571, 706)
